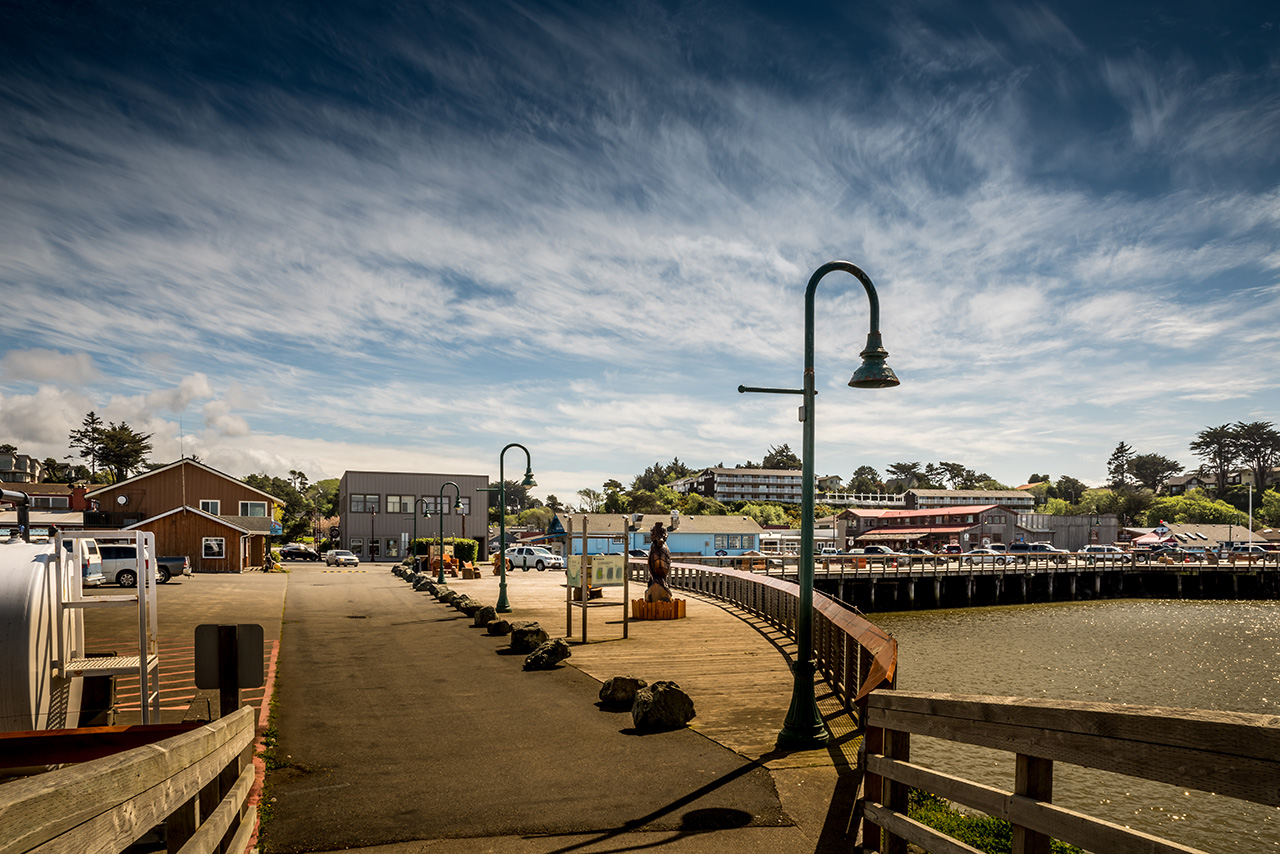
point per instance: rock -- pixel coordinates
(462, 601)
(471, 607)
(661, 706)
(421, 583)
(527, 636)
(620, 692)
(484, 616)
(498, 627)
(447, 596)
(548, 655)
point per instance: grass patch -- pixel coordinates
(992, 835)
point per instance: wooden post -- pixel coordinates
(228, 675)
(872, 743)
(897, 745)
(1033, 779)
(568, 591)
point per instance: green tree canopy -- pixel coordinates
(782, 458)
(295, 514)
(702, 505)
(1216, 448)
(765, 514)
(1193, 508)
(123, 450)
(865, 479)
(1118, 465)
(1258, 444)
(1068, 489)
(1152, 470)
(88, 440)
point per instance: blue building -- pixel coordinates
(686, 535)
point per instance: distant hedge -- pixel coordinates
(464, 548)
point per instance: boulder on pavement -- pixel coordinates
(498, 627)
(661, 706)
(527, 636)
(421, 582)
(619, 692)
(484, 615)
(547, 655)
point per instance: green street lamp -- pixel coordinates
(804, 727)
(425, 514)
(457, 505)
(504, 606)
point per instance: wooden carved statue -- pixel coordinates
(659, 565)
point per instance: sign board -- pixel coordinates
(602, 570)
(276, 529)
(249, 647)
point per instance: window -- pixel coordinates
(434, 506)
(356, 545)
(364, 504)
(722, 541)
(213, 548)
(393, 543)
(399, 503)
(51, 502)
(212, 507)
(253, 508)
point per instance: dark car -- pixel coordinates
(297, 551)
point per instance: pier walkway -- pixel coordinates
(403, 728)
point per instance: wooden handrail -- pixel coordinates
(1229, 753)
(106, 804)
(854, 655)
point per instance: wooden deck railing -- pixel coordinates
(1231, 754)
(854, 655)
(199, 781)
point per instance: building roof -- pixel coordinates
(602, 524)
(1192, 534)
(42, 488)
(42, 516)
(961, 510)
(993, 495)
(912, 533)
(863, 512)
(140, 477)
(229, 521)
(753, 472)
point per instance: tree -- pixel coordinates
(1258, 445)
(52, 470)
(906, 473)
(958, 475)
(1038, 478)
(614, 502)
(553, 504)
(865, 480)
(1118, 465)
(765, 514)
(1152, 470)
(1268, 509)
(613, 485)
(591, 500)
(88, 440)
(1216, 447)
(517, 495)
(123, 450)
(537, 517)
(1193, 508)
(295, 512)
(1068, 489)
(702, 505)
(8, 449)
(781, 458)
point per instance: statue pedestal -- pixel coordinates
(642, 610)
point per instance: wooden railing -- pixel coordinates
(854, 655)
(199, 781)
(1231, 754)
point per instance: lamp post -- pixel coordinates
(457, 505)
(804, 727)
(504, 606)
(425, 514)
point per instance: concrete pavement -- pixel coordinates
(403, 728)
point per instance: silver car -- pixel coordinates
(340, 557)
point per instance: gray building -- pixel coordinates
(377, 510)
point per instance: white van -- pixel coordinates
(86, 551)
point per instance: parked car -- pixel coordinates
(340, 557)
(918, 552)
(533, 557)
(1103, 554)
(950, 549)
(880, 551)
(120, 565)
(638, 552)
(1003, 548)
(90, 560)
(984, 556)
(1248, 553)
(297, 551)
(1025, 551)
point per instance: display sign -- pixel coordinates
(602, 570)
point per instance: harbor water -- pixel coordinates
(1219, 655)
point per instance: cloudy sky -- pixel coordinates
(400, 236)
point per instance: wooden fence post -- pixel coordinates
(1034, 779)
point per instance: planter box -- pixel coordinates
(642, 610)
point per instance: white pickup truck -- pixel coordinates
(533, 557)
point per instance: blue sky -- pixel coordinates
(400, 236)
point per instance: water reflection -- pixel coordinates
(1189, 654)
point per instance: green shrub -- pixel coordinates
(464, 548)
(992, 835)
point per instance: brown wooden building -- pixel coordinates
(221, 524)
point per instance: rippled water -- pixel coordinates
(1190, 654)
